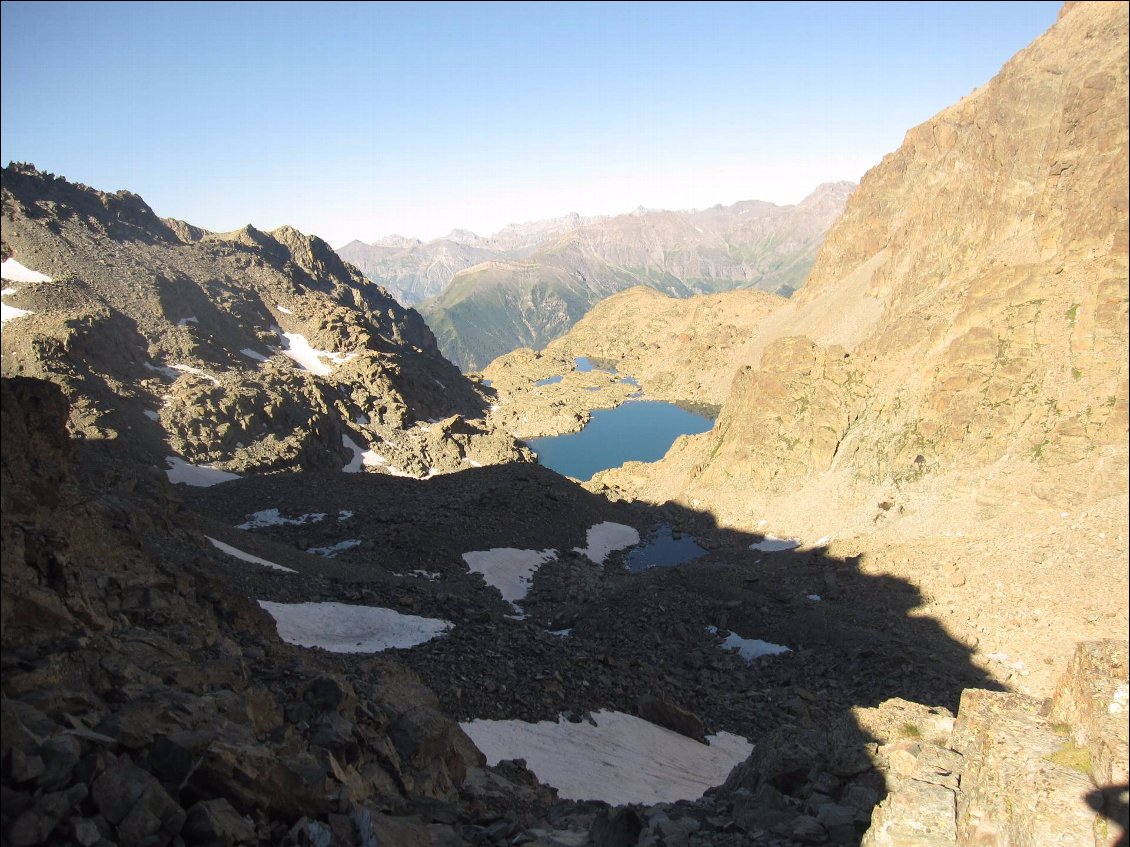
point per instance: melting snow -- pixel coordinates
(508, 569)
(769, 544)
(273, 517)
(604, 538)
(253, 354)
(180, 471)
(310, 358)
(334, 549)
(13, 271)
(749, 648)
(10, 313)
(621, 760)
(366, 458)
(247, 557)
(174, 371)
(342, 628)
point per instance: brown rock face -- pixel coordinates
(992, 246)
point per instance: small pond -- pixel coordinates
(663, 549)
(640, 430)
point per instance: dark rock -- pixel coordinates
(85, 831)
(808, 830)
(618, 827)
(216, 822)
(60, 756)
(36, 824)
(673, 717)
(838, 821)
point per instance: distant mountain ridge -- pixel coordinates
(413, 270)
(529, 283)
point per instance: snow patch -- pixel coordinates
(508, 569)
(334, 549)
(180, 471)
(622, 759)
(342, 628)
(153, 416)
(174, 371)
(770, 544)
(815, 598)
(10, 313)
(246, 557)
(253, 354)
(13, 271)
(604, 538)
(283, 309)
(191, 319)
(749, 648)
(297, 348)
(273, 517)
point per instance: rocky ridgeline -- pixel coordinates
(174, 340)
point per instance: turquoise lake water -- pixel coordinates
(640, 430)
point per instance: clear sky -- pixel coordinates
(361, 120)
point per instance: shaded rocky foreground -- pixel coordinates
(148, 699)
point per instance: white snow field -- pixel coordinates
(174, 371)
(749, 648)
(10, 313)
(361, 458)
(273, 517)
(343, 628)
(13, 271)
(245, 556)
(607, 537)
(333, 549)
(180, 471)
(508, 569)
(769, 544)
(310, 358)
(623, 759)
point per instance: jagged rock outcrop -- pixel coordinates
(247, 350)
(528, 298)
(1011, 772)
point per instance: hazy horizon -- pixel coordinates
(358, 121)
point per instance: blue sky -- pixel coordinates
(360, 120)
